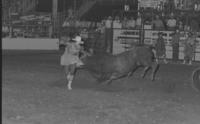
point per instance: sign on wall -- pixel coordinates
(149, 3)
(123, 39)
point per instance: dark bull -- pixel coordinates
(107, 67)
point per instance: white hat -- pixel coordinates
(78, 40)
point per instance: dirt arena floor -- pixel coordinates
(34, 91)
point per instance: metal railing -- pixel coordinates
(27, 31)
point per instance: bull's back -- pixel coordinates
(99, 63)
(145, 55)
(124, 62)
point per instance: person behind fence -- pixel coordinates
(117, 23)
(125, 22)
(160, 48)
(157, 23)
(138, 22)
(70, 59)
(171, 23)
(131, 23)
(175, 45)
(189, 47)
(194, 24)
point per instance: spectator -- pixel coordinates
(180, 26)
(77, 23)
(189, 47)
(160, 48)
(108, 22)
(138, 22)
(66, 23)
(163, 18)
(157, 23)
(103, 21)
(187, 28)
(50, 31)
(125, 23)
(194, 24)
(131, 23)
(117, 23)
(5, 31)
(171, 23)
(175, 45)
(70, 12)
(101, 28)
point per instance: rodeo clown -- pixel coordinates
(70, 58)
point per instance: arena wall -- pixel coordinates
(124, 38)
(29, 44)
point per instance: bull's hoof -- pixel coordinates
(152, 78)
(108, 82)
(100, 80)
(129, 74)
(69, 88)
(142, 76)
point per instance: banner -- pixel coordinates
(149, 3)
(123, 39)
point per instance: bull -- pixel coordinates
(106, 67)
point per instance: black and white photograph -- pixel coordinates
(100, 61)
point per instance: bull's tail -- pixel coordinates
(154, 56)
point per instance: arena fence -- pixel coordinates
(27, 31)
(123, 39)
(29, 44)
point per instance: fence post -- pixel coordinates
(10, 22)
(54, 15)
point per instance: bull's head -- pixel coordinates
(84, 55)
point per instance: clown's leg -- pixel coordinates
(70, 79)
(69, 76)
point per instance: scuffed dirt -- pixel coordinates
(34, 91)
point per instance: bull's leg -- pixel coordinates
(108, 82)
(155, 68)
(145, 71)
(101, 78)
(114, 77)
(131, 72)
